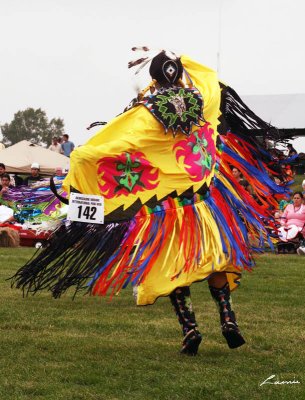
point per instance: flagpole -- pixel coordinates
(219, 36)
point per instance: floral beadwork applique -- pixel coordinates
(126, 173)
(198, 153)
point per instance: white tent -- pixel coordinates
(19, 157)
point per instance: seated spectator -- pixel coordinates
(59, 176)
(66, 145)
(291, 150)
(5, 184)
(239, 177)
(286, 172)
(18, 180)
(59, 172)
(293, 219)
(35, 176)
(303, 187)
(289, 172)
(278, 180)
(2, 169)
(55, 146)
(15, 181)
(282, 203)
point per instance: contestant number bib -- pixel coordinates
(86, 208)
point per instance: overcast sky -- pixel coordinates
(69, 57)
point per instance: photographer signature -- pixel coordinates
(269, 381)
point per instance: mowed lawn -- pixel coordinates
(91, 348)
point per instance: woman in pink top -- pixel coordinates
(293, 218)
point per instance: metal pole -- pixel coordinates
(219, 35)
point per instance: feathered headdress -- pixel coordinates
(149, 55)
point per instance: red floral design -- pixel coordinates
(198, 151)
(126, 173)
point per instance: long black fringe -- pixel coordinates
(73, 256)
(240, 119)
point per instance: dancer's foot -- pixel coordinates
(191, 342)
(232, 334)
(228, 322)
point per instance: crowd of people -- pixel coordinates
(62, 145)
(8, 181)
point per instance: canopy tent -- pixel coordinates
(19, 157)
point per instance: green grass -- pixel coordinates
(297, 183)
(91, 348)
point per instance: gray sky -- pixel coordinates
(70, 57)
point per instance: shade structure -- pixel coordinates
(19, 157)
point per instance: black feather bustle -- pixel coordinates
(73, 256)
(239, 118)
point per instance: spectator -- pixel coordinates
(289, 172)
(293, 219)
(286, 172)
(55, 146)
(278, 180)
(60, 172)
(18, 180)
(14, 181)
(5, 184)
(2, 170)
(35, 176)
(240, 179)
(303, 187)
(66, 145)
(291, 150)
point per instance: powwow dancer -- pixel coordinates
(174, 214)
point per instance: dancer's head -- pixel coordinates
(166, 68)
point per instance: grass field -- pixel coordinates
(297, 182)
(91, 348)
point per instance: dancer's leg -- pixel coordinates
(181, 301)
(220, 291)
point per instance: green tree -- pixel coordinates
(32, 125)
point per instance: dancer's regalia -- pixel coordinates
(174, 214)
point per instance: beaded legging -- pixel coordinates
(181, 301)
